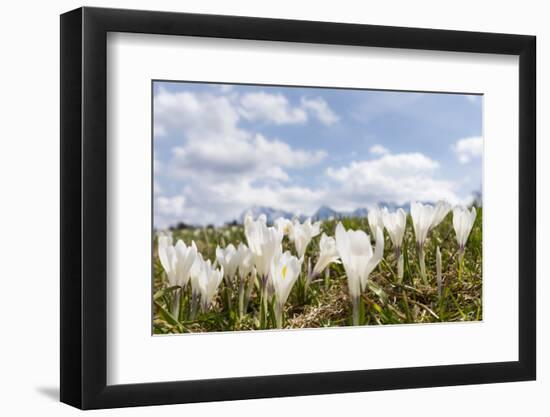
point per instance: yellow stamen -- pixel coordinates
(284, 271)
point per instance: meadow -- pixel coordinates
(323, 300)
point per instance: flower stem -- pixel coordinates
(422, 262)
(176, 303)
(308, 278)
(460, 264)
(182, 292)
(263, 303)
(400, 266)
(227, 296)
(194, 305)
(241, 297)
(355, 310)
(278, 309)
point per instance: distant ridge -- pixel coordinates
(322, 213)
(270, 213)
(326, 212)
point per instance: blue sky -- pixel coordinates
(220, 149)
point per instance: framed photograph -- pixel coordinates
(257, 208)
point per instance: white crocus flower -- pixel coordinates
(196, 270)
(425, 217)
(208, 281)
(166, 237)
(285, 226)
(359, 260)
(264, 242)
(253, 232)
(186, 256)
(302, 235)
(176, 260)
(246, 268)
(375, 219)
(395, 223)
(328, 253)
(167, 257)
(230, 259)
(442, 208)
(285, 270)
(463, 221)
(270, 248)
(246, 260)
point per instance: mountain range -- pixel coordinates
(322, 213)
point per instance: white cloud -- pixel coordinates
(245, 156)
(210, 202)
(275, 108)
(228, 176)
(270, 108)
(221, 168)
(168, 208)
(378, 150)
(199, 116)
(221, 112)
(397, 178)
(467, 149)
(215, 145)
(320, 109)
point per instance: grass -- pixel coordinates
(327, 303)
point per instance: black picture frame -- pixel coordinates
(84, 207)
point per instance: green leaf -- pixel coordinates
(379, 292)
(165, 291)
(377, 307)
(166, 315)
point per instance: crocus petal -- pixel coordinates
(342, 244)
(425, 217)
(302, 234)
(185, 257)
(357, 256)
(375, 219)
(284, 271)
(395, 223)
(441, 210)
(328, 253)
(209, 280)
(375, 258)
(162, 252)
(463, 221)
